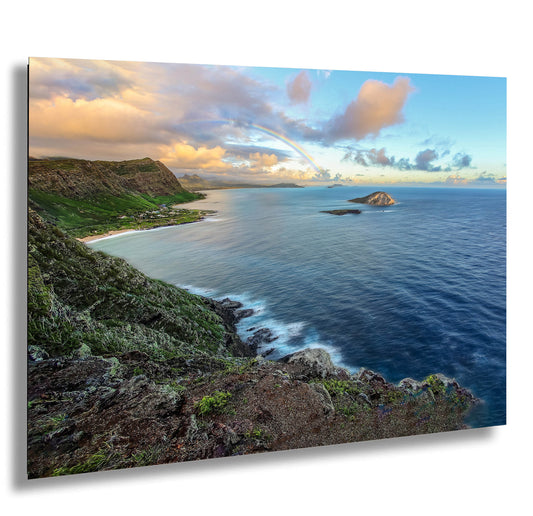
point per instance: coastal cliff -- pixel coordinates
(94, 197)
(126, 371)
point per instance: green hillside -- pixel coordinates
(93, 197)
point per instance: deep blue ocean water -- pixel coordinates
(408, 290)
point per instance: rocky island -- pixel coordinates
(342, 212)
(375, 199)
(126, 371)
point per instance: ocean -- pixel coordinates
(407, 290)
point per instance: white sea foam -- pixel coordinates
(289, 337)
(122, 233)
(205, 292)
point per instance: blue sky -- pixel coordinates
(273, 124)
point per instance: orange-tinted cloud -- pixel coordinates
(185, 156)
(103, 119)
(299, 89)
(261, 160)
(377, 106)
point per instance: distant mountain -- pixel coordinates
(284, 185)
(194, 182)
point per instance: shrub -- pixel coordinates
(214, 403)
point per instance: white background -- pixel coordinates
(485, 471)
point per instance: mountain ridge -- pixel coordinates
(87, 198)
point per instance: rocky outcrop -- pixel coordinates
(311, 363)
(259, 338)
(375, 199)
(342, 212)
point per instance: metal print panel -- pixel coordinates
(231, 260)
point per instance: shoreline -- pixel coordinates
(109, 234)
(117, 232)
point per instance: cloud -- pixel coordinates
(456, 180)
(285, 174)
(299, 88)
(121, 102)
(184, 156)
(424, 158)
(103, 119)
(325, 175)
(441, 143)
(369, 157)
(377, 106)
(485, 178)
(461, 160)
(245, 150)
(263, 161)
(77, 78)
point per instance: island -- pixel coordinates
(342, 212)
(375, 199)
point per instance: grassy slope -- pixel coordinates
(82, 217)
(80, 297)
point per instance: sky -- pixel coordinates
(271, 125)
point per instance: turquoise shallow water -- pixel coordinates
(407, 290)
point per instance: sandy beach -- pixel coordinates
(105, 235)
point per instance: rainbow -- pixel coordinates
(290, 143)
(278, 136)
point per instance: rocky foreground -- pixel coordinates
(90, 413)
(127, 371)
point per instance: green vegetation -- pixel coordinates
(215, 403)
(258, 434)
(107, 458)
(80, 217)
(240, 366)
(340, 387)
(435, 385)
(95, 462)
(78, 297)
